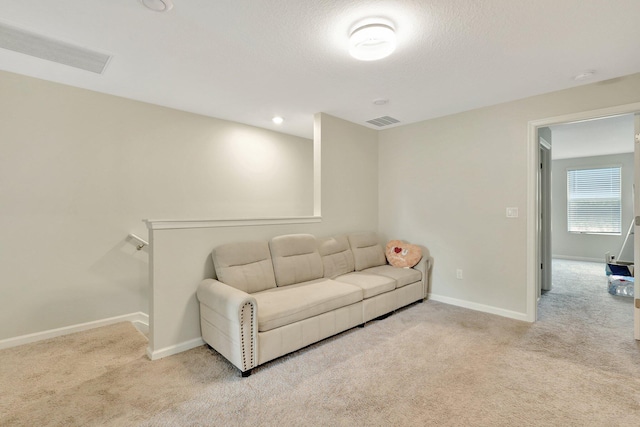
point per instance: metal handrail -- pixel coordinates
(141, 243)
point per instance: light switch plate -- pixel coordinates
(512, 212)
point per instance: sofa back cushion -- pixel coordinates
(246, 266)
(295, 259)
(337, 258)
(367, 251)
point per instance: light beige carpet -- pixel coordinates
(429, 364)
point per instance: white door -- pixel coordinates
(636, 236)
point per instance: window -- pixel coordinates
(594, 200)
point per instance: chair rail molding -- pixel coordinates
(174, 224)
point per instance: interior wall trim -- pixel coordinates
(139, 317)
(479, 307)
(577, 258)
(174, 224)
(174, 349)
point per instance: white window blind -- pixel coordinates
(594, 200)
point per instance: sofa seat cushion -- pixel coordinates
(289, 304)
(371, 284)
(402, 276)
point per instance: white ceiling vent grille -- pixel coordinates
(42, 47)
(383, 121)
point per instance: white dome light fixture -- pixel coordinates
(158, 5)
(278, 120)
(372, 41)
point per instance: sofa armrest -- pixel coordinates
(229, 321)
(425, 266)
(222, 298)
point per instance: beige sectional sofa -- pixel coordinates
(272, 298)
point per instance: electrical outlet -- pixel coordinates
(459, 273)
(512, 212)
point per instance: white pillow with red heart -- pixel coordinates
(401, 254)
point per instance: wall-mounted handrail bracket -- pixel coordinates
(141, 243)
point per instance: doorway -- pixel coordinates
(538, 228)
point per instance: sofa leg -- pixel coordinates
(384, 316)
(245, 374)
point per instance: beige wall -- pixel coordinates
(80, 170)
(181, 257)
(349, 176)
(446, 182)
(590, 247)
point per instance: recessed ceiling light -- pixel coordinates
(277, 120)
(158, 5)
(583, 76)
(372, 41)
(380, 101)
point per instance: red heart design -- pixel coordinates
(402, 254)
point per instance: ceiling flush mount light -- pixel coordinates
(158, 5)
(277, 120)
(372, 41)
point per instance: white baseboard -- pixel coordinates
(480, 307)
(579, 258)
(174, 349)
(138, 317)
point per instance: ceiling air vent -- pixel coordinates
(32, 44)
(383, 121)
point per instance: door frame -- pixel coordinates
(533, 213)
(544, 206)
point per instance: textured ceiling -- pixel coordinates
(247, 60)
